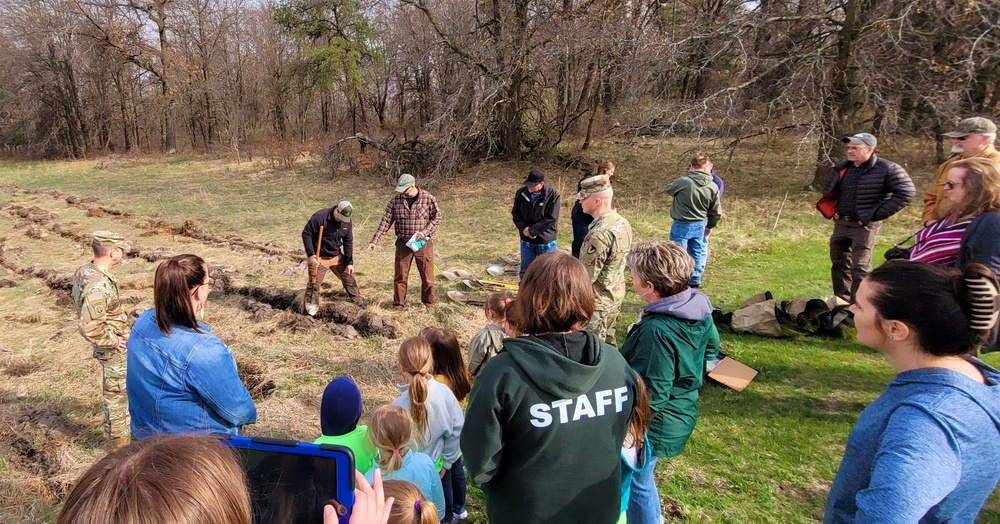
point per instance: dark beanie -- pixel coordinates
(341, 407)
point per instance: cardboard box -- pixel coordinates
(733, 374)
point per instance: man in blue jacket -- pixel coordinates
(862, 191)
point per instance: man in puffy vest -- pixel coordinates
(863, 191)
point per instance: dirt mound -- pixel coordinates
(371, 324)
(95, 212)
(259, 310)
(75, 200)
(342, 331)
(22, 367)
(7, 282)
(36, 233)
(255, 379)
(276, 298)
(338, 311)
(297, 322)
(157, 256)
(33, 213)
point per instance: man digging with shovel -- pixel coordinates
(328, 239)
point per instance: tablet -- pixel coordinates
(291, 481)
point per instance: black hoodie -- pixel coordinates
(543, 432)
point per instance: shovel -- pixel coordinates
(312, 296)
(462, 298)
(499, 271)
(449, 275)
(510, 260)
(464, 274)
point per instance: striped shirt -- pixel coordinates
(938, 243)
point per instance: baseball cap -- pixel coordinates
(345, 209)
(594, 184)
(112, 238)
(860, 138)
(404, 183)
(535, 176)
(976, 125)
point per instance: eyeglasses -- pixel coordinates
(952, 185)
(959, 138)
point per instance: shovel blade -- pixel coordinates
(495, 270)
(464, 274)
(312, 309)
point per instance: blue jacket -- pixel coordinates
(183, 383)
(925, 451)
(419, 469)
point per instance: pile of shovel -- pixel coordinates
(484, 286)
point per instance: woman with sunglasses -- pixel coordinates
(973, 187)
(926, 449)
(181, 377)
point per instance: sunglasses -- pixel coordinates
(959, 138)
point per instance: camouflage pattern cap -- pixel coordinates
(594, 184)
(346, 210)
(976, 125)
(112, 238)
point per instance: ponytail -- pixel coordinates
(409, 506)
(638, 422)
(950, 311)
(496, 304)
(390, 432)
(416, 361)
(172, 285)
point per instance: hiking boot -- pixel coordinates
(398, 307)
(360, 302)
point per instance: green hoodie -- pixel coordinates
(543, 433)
(696, 199)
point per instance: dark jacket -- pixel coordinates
(540, 217)
(336, 235)
(883, 189)
(668, 347)
(981, 244)
(543, 432)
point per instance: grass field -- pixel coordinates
(767, 454)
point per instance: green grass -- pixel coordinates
(767, 454)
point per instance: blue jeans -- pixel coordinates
(448, 496)
(529, 252)
(644, 502)
(692, 238)
(457, 487)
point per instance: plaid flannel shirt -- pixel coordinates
(423, 215)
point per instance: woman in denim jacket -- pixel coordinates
(182, 378)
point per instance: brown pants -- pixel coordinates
(851, 255)
(338, 265)
(425, 266)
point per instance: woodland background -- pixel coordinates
(434, 86)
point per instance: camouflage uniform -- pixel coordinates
(603, 254)
(103, 322)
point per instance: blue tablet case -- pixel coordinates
(291, 481)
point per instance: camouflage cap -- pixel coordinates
(594, 184)
(112, 238)
(976, 125)
(346, 210)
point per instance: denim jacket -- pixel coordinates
(183, 383)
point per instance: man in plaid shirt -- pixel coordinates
(413, 211)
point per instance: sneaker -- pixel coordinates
(464, 514)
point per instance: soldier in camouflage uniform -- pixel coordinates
(603, 254)
(105, 325)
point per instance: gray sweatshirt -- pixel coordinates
(444, 421)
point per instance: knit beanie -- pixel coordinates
(341, 407)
